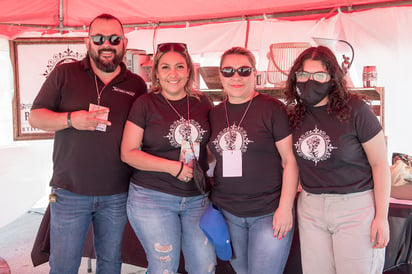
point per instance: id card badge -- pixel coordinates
(186, 152)
(104, 116)
(232, 163)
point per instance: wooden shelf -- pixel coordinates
(370, 93)
(375, 96)
(376, 99)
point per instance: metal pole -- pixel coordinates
(61, 27)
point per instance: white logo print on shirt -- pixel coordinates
(180, 130)
(238, 140)
(314, 145)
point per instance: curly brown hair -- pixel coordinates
(338, 96)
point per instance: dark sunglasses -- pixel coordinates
(113, 39)
(165, 47)
(242, 71)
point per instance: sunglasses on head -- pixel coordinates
(165, 47)
(242, 71)
(113, 39)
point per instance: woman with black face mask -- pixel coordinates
(341, 153)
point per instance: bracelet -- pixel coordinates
(69, 119)
(181, 168)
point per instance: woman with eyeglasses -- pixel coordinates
(340, 148)
(256, 175)
(166, 129)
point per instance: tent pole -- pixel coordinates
(61, 26)
(247, 33)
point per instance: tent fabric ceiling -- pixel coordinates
(22, 16)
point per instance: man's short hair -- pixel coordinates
(106, 16)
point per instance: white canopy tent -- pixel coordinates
(377, 30)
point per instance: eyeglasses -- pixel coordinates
(242, 71)
(113, 39)
(304, 76)
(165, 47)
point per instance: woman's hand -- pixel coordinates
(380, 232)
(282, 223)
(186, 174)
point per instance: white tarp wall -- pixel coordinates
(380, 37)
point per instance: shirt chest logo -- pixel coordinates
(181, 130)
(131, 93)
(234, 138)
(314, 145)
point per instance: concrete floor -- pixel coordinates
(16, 242)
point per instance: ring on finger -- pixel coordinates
(186, 179)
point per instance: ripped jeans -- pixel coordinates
(165, 224)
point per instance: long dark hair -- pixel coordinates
(338, 97)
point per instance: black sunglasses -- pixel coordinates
(165, 47)
(113, 39)
(242, 71)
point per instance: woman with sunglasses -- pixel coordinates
(255, 178)
(340, 148)
(165, 130)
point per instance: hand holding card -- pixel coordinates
(104, 116)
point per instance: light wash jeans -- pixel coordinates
(166, 223)
(255, 249)
(70, 219)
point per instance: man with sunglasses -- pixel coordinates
(86, 104)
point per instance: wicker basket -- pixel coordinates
(281, 57)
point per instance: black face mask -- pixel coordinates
(312, 92)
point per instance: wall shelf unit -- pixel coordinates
(374, 95)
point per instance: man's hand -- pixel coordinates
(87, 120)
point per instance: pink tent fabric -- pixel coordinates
(22, 16)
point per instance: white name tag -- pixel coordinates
(232, 163)
(104, 116)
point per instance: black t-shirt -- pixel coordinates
(163, 137)
(257, 191)
(330, 154)
(88, 162)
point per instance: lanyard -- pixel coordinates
(99, 93)
(241, 120)
(187, 124)
(175, 110)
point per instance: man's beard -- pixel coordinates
(103, 65)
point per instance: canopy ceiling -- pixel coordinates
(22, 16)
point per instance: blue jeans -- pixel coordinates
(166, 223)
(70, 219)
(255, 249)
